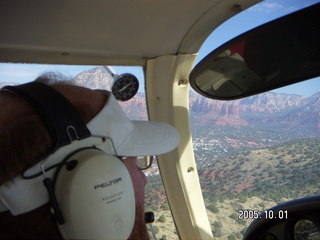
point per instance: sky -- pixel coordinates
(256, 15)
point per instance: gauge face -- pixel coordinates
(125, 87)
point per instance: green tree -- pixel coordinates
(233, 216)
(232, 237)
(213, 208)
(217, 224)
(165, 207)
(217, 232)
(162, 219)
(164, 237)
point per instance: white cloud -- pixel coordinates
(271, 5)
(267, 7)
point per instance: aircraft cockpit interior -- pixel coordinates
(238, 80)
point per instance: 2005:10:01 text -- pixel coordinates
(267, 214)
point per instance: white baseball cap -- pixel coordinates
(133, 138)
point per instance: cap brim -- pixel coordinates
(149, 138)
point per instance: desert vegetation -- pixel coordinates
(253, 179)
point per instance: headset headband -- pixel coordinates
(62, 120)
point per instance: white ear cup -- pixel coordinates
(96, 197)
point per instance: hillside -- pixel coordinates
(259, 179)
(274, 173)
(252, 179)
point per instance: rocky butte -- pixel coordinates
(212, 112)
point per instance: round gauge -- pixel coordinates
(125, 87)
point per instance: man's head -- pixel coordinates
(25, 139)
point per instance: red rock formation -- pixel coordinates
(207, 111)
